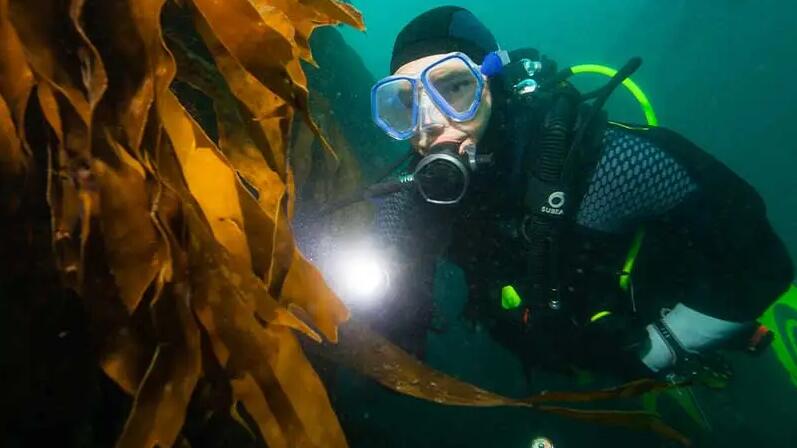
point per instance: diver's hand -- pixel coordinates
(683, 345)
(683, 331)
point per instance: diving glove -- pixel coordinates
(683, 343)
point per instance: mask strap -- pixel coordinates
(494, 62)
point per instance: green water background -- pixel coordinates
(718, 71)
(722, 72)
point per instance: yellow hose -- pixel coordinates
(632, 87)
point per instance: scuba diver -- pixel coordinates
(585, 242)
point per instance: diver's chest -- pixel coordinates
(495, 250)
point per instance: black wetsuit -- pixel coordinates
(707, 244)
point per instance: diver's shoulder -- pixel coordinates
(622, 137)
(643, 152)
(655, 135)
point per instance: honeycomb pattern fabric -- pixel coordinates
(393, 218)
(405, 221)
(633, 181)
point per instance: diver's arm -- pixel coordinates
(748, 266)
(726, 220)
(414, 234)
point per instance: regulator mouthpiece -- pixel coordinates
(443, 175)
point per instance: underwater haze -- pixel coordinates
(204, 246)
(721, 72)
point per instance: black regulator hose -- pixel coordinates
(540, 228)
(556, 152)
(378, 188)
(375, 190)
(601, 96)
(553, 142)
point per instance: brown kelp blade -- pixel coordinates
(337, 10)
(241, 32)
(126, 104)
(627, 390)
(72, 80)
(288, 274)
(288, 387)
(162, 398)
(637, 420)
(12, 158)
(240, 28)
(125, 216)
(202, 167)
(47, 26)
(267, 115)
(180, 259)
(226, 298)
(16, 78)
(370, 354)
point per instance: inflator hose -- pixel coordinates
(539, 232)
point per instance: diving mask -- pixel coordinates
(452, 84)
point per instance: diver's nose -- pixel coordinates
(428, 133)
(432, 123)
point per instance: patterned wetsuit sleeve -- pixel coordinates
(661, 176)
(415, 233)
(633, 181)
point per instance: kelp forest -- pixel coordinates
(151, 287)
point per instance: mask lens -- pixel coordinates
(442, 180)
(394, 101)
(455, 83)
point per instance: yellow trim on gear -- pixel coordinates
(781, 319)
(636, 91)
(629, 127)
(599, 315)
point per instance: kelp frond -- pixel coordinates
(150, 219)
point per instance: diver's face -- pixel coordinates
(434, 126)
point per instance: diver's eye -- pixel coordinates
(406, 97)
(459, 86)
(458, 91)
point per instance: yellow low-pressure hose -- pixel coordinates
(647, 108)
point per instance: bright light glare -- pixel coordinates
(359, 273)
(362, 276)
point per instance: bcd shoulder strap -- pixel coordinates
(557, 173)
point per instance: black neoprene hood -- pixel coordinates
(442, 30)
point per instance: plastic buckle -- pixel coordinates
(710, 369)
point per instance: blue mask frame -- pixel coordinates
(433, 94)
